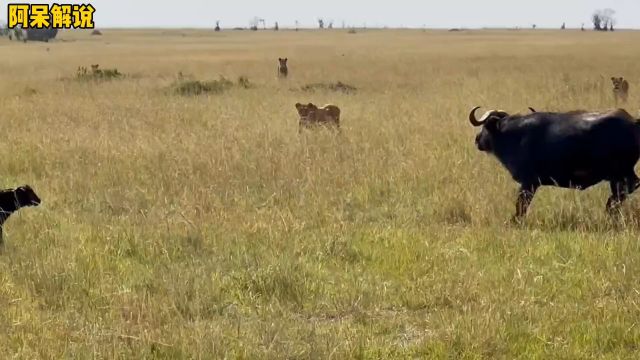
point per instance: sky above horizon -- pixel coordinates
(398, 13)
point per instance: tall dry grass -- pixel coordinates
(205, 227)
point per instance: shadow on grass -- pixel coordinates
(626, 220)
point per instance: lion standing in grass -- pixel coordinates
(283, 70)
(311, 115)
(620, 89)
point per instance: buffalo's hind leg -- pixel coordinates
(620, 189)
(525, 197)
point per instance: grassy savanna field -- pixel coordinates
(205, 227)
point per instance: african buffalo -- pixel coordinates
(576, 149)
(11, 200)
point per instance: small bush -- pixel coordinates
(182, 76)
(197, 87)
(352, 31)
(97, 74)
(243, 82)
(338, 86)
(29, 91)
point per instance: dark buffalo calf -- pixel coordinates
(11, 200)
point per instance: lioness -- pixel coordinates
(283, 70)
(311, 115)
(620, 89)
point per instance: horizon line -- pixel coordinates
(287, 28)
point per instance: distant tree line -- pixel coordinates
(20, 34)
(603, 20)
(255, 22)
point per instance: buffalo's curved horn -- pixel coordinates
(532, 109)
(472, 117)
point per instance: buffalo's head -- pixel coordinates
(25, 196)
(490, 123)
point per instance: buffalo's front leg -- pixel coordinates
(619, 192)
(616, 198)
(525, 196)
